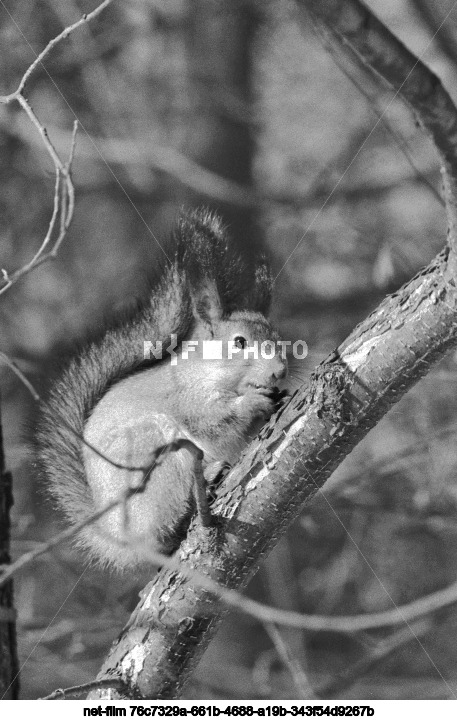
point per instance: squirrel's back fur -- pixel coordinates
(198, 253)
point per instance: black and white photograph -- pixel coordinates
(228, 357)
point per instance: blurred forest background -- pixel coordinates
(236, 105)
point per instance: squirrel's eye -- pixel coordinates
(240, 341)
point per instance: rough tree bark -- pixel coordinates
(9, 680)
(301, 446)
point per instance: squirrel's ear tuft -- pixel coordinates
(200, 234)
(206, 256)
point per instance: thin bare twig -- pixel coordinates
(63, 204)
(64, 193)
(15, 368)
(299, 678)
(87, 17)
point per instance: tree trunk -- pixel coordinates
(9, 680)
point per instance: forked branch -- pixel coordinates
(64, 193)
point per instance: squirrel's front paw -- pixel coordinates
(215, 472)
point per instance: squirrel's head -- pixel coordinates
(237, 358)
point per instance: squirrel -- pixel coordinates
(126, 405)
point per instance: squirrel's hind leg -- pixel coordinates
(200, 483)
